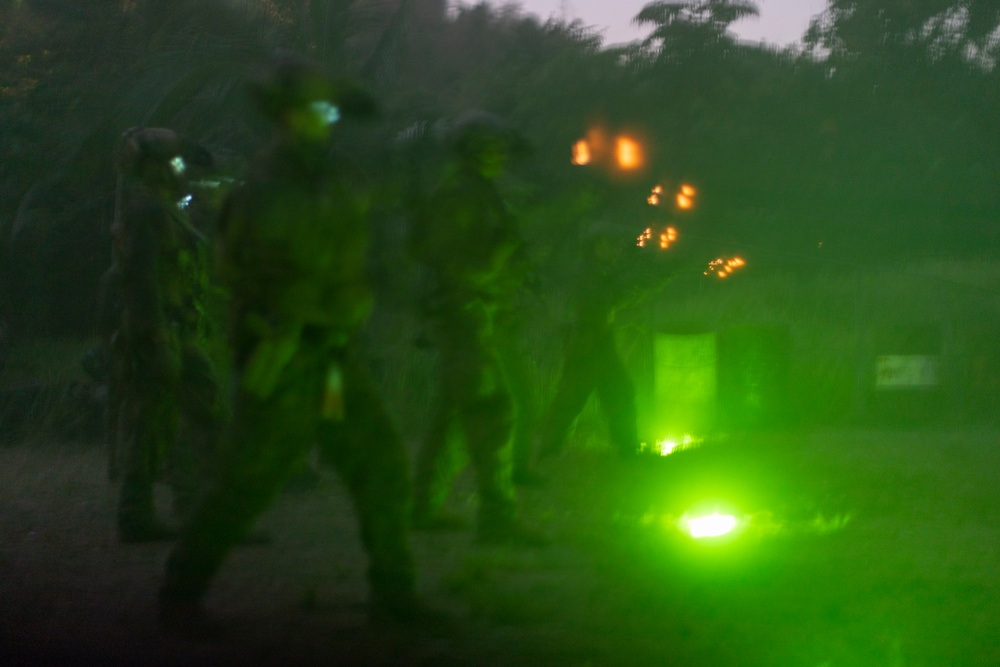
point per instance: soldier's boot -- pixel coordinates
(437, 466)
(512, 533)
(487, 430)
(392, 572)
(137, 520)
(187, 619)
(180, 602)
(498, 525)
(395, 606)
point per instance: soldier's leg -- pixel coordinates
(487, 426)
(270, 437)
(486, 417)
(523, 393)
(576, 382)
(617, 394)
(367, 451)
(438, 461)
(194, 458)
(148, 426)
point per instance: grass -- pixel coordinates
(876, 546)
(908, 579)
(45, 361)
(45, 392)
(868, 547)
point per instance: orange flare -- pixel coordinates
(628, 153)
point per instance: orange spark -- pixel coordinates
(581, 152)
(724, 268)
(668, 236)
(628, 153)
(685, 197)
(654, 195)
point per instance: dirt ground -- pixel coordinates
(860, 548)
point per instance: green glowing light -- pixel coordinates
(178, 165)
(329, 113)
(711, 525)
(668, 446)
(211, 183)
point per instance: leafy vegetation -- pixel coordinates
(870, 147)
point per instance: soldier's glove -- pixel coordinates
(268, 360)
(332, 405)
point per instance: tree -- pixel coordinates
(912, 82)
(683, 29)
(933, 28)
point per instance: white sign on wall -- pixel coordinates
(900, 371)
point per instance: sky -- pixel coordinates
(780, 21)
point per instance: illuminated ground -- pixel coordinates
(866, 548)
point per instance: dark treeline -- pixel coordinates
(876, 141)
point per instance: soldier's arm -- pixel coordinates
(270, 336)
(140, 293)
(109, 303)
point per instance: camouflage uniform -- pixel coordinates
(159, 375)
(468, 240)
(592, 364)
(293, 242)
(612, 274)
(518, 358)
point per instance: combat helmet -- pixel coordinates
(294, 85)
(476, 133)
(483, 142)
(159, 157)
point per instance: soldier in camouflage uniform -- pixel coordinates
(611, 273)
(293, 243)
(602, 285)
(467, 239)
(158, 373)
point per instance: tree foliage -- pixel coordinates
(930, 28)
(876, 140)
(682, 26)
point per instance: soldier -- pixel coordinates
(612, 273)
(157, 371)
(468, 241)
(592, 362)
(292, 247)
